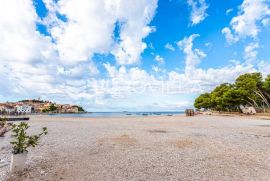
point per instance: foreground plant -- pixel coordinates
(21, 144)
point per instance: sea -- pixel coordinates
(119, 114)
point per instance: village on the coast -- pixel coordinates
(37, 106)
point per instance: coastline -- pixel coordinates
(147, 148)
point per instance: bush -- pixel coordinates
(22, 140)
(3, 122)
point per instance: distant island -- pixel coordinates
(249, 90)
(33, 106)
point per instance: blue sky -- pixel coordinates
(129, 55)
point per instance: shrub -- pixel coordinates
(3, 122)
(23, 141)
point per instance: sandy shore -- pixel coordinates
(147, 148)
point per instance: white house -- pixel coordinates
(25, 109)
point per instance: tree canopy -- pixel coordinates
(249, 89)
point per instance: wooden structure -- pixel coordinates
(190, 112)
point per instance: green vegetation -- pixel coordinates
(3, 122)
(34, 101)
(249, 89)
(23, 141)
(80, 109)
(52, 108)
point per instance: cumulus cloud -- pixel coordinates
(198, 11)
(19, 39)
(135, 82)
(229, 36)
(60, 66)
(90, 25)
(193, 56)
(134, 28)
(252, 14)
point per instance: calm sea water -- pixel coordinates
(119, 114)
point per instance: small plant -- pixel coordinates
(23, 141)
(3, 122)
(4, 126)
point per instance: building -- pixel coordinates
(24, 109)
(2, 109)
(9, 109)
(36, 106)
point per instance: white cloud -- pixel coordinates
(248, 22)
(198, 11)
(229, 36)
(193, 56)
(159, 59)
(132, 83)
(79, 71)
(90, 28)
(228, 12)
(195, 79)
(19, 39)
(266, 22)
(264, 67)
(30, 65)
(250, 53)
(134, 29)
(169, 47)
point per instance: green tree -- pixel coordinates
(203, 101)
(217, 96)
(80, 109)
(266, 87)
(250, 87)
(52, 107)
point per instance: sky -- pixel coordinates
(129, 55)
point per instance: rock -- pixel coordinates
(248, 110)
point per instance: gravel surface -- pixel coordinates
(146, 148)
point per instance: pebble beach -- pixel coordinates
(145, 148)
